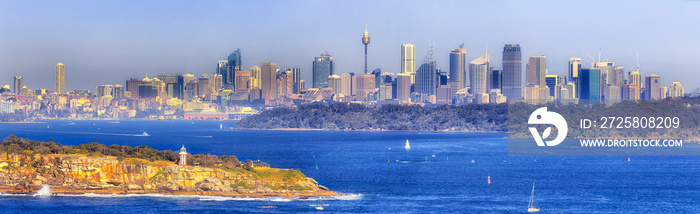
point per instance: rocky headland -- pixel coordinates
(27, 166)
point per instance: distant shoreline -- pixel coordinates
(24, 122)
(364, 130)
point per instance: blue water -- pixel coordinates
(380, 176)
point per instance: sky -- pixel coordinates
(108, 42)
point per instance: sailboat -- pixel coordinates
(407, 145)
(531, 206)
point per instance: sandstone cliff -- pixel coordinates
(75, 174)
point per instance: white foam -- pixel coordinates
(44, 191)
(341, 197)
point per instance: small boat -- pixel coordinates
(115, 122)
(221, 126)
(318, 206)
(268, 207)
(145, 134)
(531, 206)
(408, 146)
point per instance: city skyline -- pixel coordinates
(108, 48)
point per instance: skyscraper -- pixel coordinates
(216, 82)
(348, 84)
(174, 84)
(132, 86)
(552, 80)
(285, 81)
(426, 83)
(232, 65)
(335, 82)
(118, 92)
(590, 85)
(242, 81)
(403, 87)
(477, 74)
(574, 68)
(221, 68)
(496, 79)
(536, 71)
(60, 79)
(255, 74)
(18, 85)
(652, 87)
(607, 74)
(365, 41)
(322, 68)
(105, 90)
(203, 84)
(458, 67)
(365, 86)
(408, 59)
(676, 90)
(268, 72)
(296, 80)
(512, 73)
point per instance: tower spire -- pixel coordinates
(365, 41)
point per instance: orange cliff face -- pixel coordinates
(83, 174)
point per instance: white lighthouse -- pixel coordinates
(183, 156)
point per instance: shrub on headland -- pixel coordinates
(14, 145)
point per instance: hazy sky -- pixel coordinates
(107, 42)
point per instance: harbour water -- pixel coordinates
(442, 172)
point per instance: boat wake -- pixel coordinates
(99, 133)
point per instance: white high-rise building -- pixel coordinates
(408, 60)
(477, 74)
(347, 84)
(676, 90)
(335, 83)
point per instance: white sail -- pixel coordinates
(407, 145)
(531, 205)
